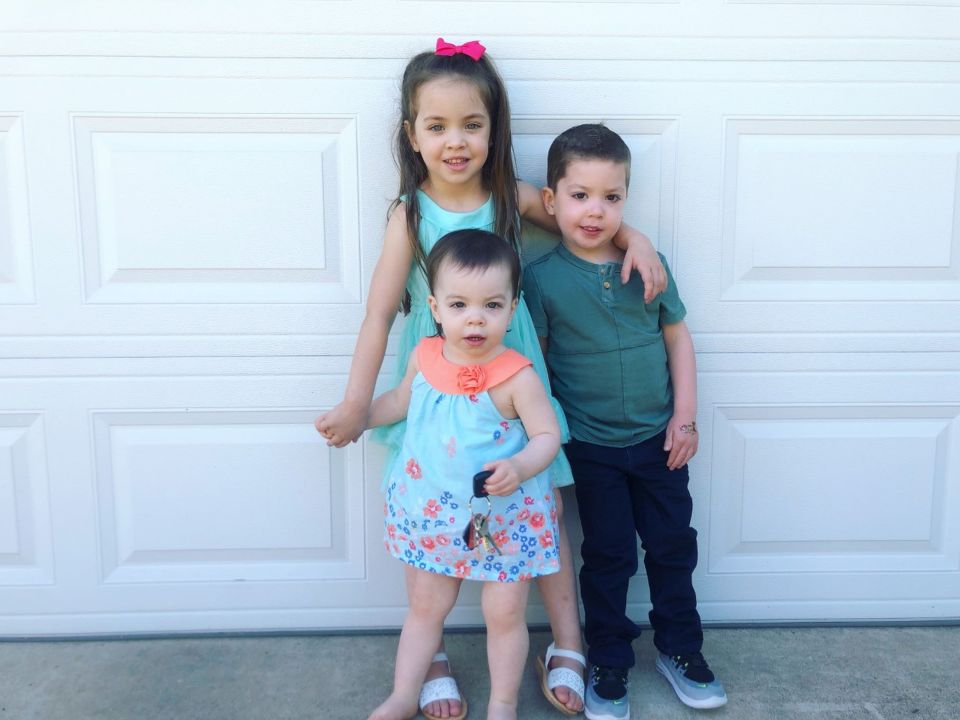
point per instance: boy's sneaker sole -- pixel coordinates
(604, 716)
(708, 703)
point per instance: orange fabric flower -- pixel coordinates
(471, 378)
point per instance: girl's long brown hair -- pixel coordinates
(498, 174)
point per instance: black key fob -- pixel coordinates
(478, 480)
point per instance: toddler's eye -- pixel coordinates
(614, 198)
(579, 196)
(435, 128)
(494, 305)
(458, 304)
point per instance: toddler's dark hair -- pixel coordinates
(473, 249)
(585, 142)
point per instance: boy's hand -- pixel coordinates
(505, 479)
(641, 256)
(681, 442)
(342, 425)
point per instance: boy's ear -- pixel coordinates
(547, 195)
(410, 136)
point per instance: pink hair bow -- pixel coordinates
(472, 49)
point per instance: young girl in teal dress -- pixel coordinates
(453, 148)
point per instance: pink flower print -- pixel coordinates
(432, 508)
(462, 569)
(392, 531)
(537, 520)
(471, 379)
(546, 540)
(502, 577)
(523, 515)
(413, 545)
(451, 447)
(443, 540)
(501, 538)
(528, 500)
(505, 425)
(427, 542)
(525, 576)
(473, 398)
(499, 519)
(413, 469)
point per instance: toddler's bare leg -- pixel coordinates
(437, 708)
(431, 598)
(504, 606)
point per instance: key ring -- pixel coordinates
(470, 505)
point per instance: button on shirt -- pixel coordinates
(608, 362)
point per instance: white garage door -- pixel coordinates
(191, 203)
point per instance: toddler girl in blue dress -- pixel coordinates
(471, 405)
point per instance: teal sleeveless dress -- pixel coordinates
(435, 222)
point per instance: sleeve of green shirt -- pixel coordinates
(672, 309)
(534, 300)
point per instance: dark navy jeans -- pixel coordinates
(623, 492)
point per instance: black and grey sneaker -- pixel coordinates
(692, 680)
(606, 697)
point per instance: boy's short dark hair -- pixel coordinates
(473, 249)
(585, 142)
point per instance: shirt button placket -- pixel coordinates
(607, 292)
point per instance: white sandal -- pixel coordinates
(550, 679)
(442, 688)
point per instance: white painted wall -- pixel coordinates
(191, 202)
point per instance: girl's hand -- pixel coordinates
(505, 479)
(640, 255)
(343, 424)
(681, 442)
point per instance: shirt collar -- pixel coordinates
(579, 262)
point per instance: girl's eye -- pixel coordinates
(614, 198)
(579, 196)
(458, 304)
(494, 305)
(435, 128)
(474, 126)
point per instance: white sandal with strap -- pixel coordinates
(560, 676)
(442, 688)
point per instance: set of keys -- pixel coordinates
(477, 531)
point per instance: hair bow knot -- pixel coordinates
(472, 49)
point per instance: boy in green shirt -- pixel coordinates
(625, 373)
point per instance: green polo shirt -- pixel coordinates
(608, 363)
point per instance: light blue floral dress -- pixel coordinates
(435, 222)
(452, 429)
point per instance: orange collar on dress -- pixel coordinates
(453, 379)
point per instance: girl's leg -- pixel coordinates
(438, 708)
(431, 598)
(504, 611)
(559, 594)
